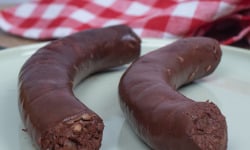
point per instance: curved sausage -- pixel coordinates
(161, 116)
(53, 116)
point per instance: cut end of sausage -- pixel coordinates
(208, 130)
(85, 132)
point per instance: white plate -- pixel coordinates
(228, 87)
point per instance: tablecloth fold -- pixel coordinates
(50, 19)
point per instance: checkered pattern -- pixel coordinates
(47, 19)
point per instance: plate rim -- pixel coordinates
(145, 42)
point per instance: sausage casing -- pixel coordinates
(53, 116)
(161, 116)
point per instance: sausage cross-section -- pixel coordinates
(53, 116)
(161, 116)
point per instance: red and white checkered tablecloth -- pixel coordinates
(48, 19)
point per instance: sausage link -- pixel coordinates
(160, 115)
(53, 116)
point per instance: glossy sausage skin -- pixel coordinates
(53, 116)
(161, 116)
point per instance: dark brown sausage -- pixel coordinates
(159, 114)
(54, 117)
